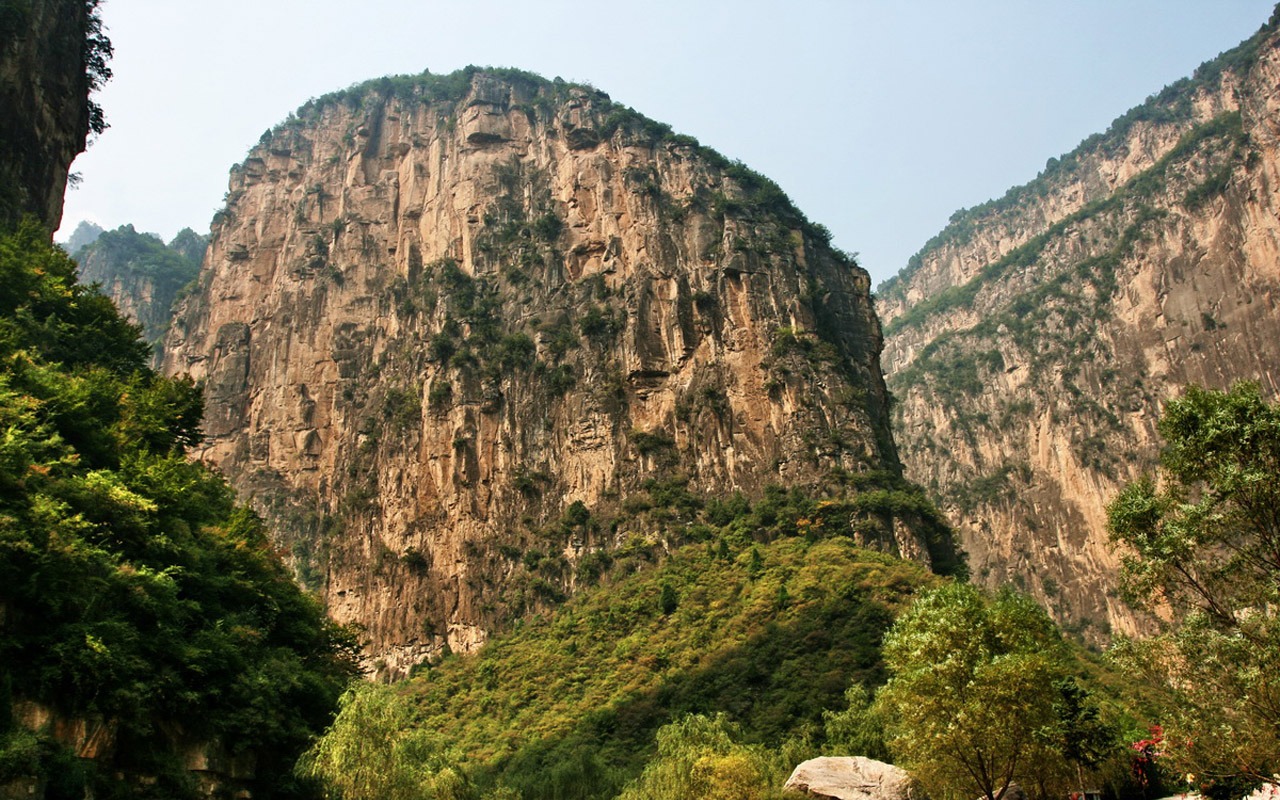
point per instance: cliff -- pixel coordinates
(52, 55)
(1031, 343)
(142, 275)
(466, 336)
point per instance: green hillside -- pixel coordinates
(769, 634)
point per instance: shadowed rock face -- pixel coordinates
(51, 56)
(459, 333)
(1032, 343)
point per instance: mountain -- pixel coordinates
(52, 55)
(1031, 343)
(141, 274)
(85, 234)
(447, 322)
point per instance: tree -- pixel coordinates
(374, 751)
(1204, 542)
(133, 589)
(970, 704)
(699, 756)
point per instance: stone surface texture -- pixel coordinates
(436, 329)
(851, 778)
(1032, 344)
(44, 94)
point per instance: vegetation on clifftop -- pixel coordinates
(131, 258)
(607, 120)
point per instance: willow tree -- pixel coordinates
(374, 751)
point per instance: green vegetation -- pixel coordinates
(1205, 541)
(976, 696)
(132, 589)
(704, 757)
(129, 257)
(568, 705)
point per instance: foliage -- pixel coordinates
(543, 708)
(1204, 542)
(373, 752)
(701, 756)
(857, 730)
(969, 705)
(132, 587)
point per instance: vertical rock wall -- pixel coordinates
(51, 56)
(1032, 344)
(462, 335)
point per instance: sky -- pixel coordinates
(880, 118)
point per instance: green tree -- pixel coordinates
(857, 730)
(373, 752)
(1204, 545)
(700, 756)
(969, 707)
(133, 589)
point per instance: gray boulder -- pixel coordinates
(852, 778)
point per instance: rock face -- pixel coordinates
(852, 778)
(464, 336)
(141, 274)
(52, 54)
(1030, 344)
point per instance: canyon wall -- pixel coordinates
(52, 55)
(142, 275)
(1031, 344)
(467, 337)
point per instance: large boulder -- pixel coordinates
(852, 778)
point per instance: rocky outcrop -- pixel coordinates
(52, 54)
(1030, 345)
(465, 336)
(214, 768)
(851, 778)
(141, 274)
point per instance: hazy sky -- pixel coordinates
(879, 117)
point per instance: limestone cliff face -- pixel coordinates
(464, 337)
(1031, 344)
(52, 54)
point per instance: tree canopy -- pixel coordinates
(1204, 544)
(132, 589)
(972, 704)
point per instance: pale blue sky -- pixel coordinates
(879, 117)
